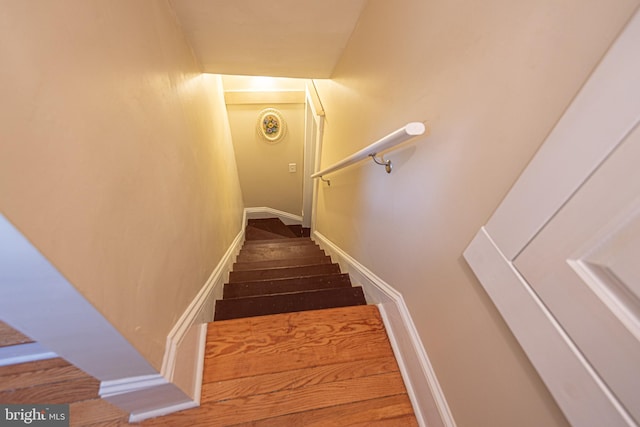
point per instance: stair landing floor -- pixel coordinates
(332, 367)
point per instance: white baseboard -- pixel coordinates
(179, 384)
(265, 212)
(145, 396)
(23, 353)
(186, 340)
(426, 396)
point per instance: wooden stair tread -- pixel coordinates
(316, 368)
(295, 284)
(388, 411)
(295, 229)
(250, 346)
(278, 242)
(298, 251)
(10, 336)
(255, 234)
(293, 244)
(299, 230)
(283, 272)
(62, 392)
(287, 262)
(50, 371)
(297, 378)
(96, 412)
(273, 225)
(285, 303)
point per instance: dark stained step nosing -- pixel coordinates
(295, 284)
(294, 291)
(299, 230)
(288, 303)
(281, 253)
(283, 272)
(279, 242)
(287, 262)
(272, 225)
(283, 245)
(252, 234)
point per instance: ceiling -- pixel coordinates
(285, 38)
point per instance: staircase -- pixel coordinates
(298, 367)
(277, 271)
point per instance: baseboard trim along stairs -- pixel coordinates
(427, 397)
(269, 268)
(288, 347)
(428, 400)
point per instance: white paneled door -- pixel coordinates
(584, 265)
(560, 257)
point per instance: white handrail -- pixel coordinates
(397, 137)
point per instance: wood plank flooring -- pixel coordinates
(331, 367)
(9, 336)
(55, 381)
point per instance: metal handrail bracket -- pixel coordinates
(395, 138)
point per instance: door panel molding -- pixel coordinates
(600, 117)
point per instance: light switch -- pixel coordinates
(292, 167)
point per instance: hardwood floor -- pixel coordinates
(9, 336)
(331, 367)
(55, 381)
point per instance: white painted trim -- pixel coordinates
(601, 115)
(38, 301)
(427, 398)
(605, 110)
(23, 353)
(197, 311)
(265, 212)
(146, 397)
(158, 389)
(129, 385)
(200, 358)
(578, 390)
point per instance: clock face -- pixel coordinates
(271, 126)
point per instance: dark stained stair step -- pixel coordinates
(288, 262)
(286, 303)
(255, 234)
(291, 241)
(299, 230)
(280, 286)
(303, 251)
(273, 225)
(283, 272)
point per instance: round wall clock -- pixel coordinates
(271, 125)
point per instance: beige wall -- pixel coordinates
(491, 78)
(115, 156)
(264, 167)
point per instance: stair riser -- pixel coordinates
(268, 287)
(276, 243)
(272, 225)
(293, 262)
(275, 304)
(284, 272)
(283, 253)
(255, 234)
